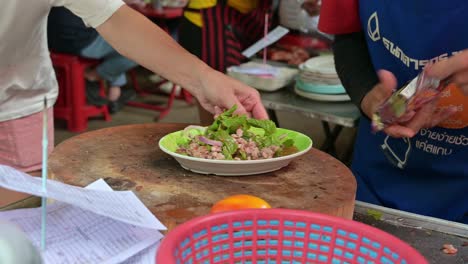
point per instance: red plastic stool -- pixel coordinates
(71, 103)
(164, 110)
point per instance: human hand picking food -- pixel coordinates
(219, 91)
(425, 115)
(210, 87)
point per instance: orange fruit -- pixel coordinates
(240, 201)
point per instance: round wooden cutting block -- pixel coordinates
(128, 158)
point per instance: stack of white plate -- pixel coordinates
(318, 80)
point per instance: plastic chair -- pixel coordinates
(71, 103)
(164, 110)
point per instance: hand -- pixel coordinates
(425, 117)
(219, 91)
(312, 7)
(453, 70)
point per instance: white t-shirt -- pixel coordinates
(26, 73)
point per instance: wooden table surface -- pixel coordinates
(128, 158)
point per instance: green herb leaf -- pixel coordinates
(229, 112)
(229, 144)
(267, 125)
(243, 155)
(233, 123)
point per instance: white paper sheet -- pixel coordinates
(75, 235)
(120, 205)
(147, 256)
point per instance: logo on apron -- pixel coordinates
(373, 29)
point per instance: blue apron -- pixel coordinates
(427, 174)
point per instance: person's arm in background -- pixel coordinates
(354, 66)
(352, 60)
(139, 39)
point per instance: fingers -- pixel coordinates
(217, 111)
(379, 94)
(444, 68)
(428, 116)
(441, 116)
(406, 117)
(398, 131)
(461, 80)
(259, 112)
(464, 89)
(255, 105)
(423, 117)
(388, 81)
(454, 68)
(241, 109)
(251, 101)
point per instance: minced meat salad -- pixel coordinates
(235, 137)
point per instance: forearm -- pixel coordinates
(354, 65)
(137, 38)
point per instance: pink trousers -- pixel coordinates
(21, 141)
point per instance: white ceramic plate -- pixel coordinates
(322, 64)
(235, 167)
(319, 80)
(323, 97)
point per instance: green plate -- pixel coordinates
(168, 144)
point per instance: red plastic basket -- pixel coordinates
(266, 236)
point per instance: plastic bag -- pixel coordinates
(293, 16)
(400, 107)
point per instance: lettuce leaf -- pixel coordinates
(187, 136)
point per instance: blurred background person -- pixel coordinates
(67, 33)
(419, 165)
(217, 31)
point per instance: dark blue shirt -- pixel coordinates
(432, 178)
(67, 32)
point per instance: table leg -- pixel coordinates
(330, 138)
(273, 117)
